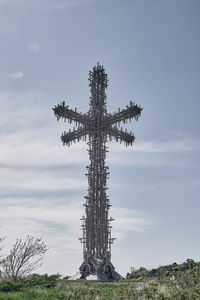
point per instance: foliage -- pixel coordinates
(177, 285)
(141, 272)
(11, 286)
(35, 280)
(23, 258)
(44, 281)
(163, 271)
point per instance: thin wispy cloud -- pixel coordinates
(34, 47)
(66, 217)
(48, 4)
(155, 153)
(31, 180)
(128, 221)
(61, 4)
(17, 75)
(178, 145)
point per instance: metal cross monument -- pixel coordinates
(99, 126)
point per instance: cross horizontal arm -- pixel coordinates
(73, 136)
(132, 111)
(62, 111)
(120, 135)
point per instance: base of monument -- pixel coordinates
(96, 270)
(94, 277)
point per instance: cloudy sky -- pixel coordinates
(150, 50)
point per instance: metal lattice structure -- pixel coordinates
(98, 126)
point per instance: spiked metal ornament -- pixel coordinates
(97, 126)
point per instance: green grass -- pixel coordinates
(175, 285)
(127, 289)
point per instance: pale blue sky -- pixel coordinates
(150, 50)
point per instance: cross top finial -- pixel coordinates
(98, 76)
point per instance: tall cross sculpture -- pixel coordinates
(99, 126)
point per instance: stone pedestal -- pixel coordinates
(96, 270)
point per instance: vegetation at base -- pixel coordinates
(175, 281)
(39, 281)
(161, 271)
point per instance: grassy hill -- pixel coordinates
(175, 281)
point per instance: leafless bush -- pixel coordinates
(1, 240)
(24, 257)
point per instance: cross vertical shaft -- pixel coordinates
(96, 226)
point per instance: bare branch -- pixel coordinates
(24, 257)
(1, 240)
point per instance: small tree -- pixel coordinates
(24, 257)
(1, 240)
